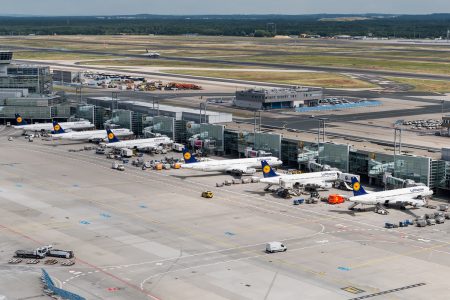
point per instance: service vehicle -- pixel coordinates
(273, 247)
(177, 147)
(421, 223)
(207, 194)
(125, 152)
(390, 225)
(36, 253)
(118, 166)
(431, 221)
(60, 253)
(443, 207)
(440, 219)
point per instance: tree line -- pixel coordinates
(407, 26)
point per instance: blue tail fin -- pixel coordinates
(57, 128)
(267, 170)
(358, 190)
(188, 157)
(111, 136)
(19, 120)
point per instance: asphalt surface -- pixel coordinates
(149, 235)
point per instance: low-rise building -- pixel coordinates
(264, 99)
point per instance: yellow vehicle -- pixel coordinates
(207, 194)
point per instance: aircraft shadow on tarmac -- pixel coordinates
(197, 176)
(353, 213)
(258, 193)
(344, 212)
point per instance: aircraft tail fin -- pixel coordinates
(20, 120)
(57, 128)
(111, 136)
(267, 170)
(188, 157)
(358, 190)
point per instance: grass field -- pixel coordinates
(349, 54)
(327, 80)
(56, 56)
(434, 86)
(356, 63)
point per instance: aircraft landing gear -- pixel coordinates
(352, 206)
(379, 209)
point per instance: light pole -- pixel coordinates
(321, 124)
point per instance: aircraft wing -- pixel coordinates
(237, 169)
(146, 147)
(414, 201)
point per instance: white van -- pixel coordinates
(275, 247)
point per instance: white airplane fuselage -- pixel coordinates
(232, 164)
(91, 135)
(409, 196)
(79, 125)
(308, 178)
(142, 143)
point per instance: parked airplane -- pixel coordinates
(414, 196)
(78, 125)
(235, 166)
(322, 179)
(90, 135)
(141, 144)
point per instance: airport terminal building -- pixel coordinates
(265, 99)
(27, 90)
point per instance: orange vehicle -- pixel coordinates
(159, 167)
(335, 199)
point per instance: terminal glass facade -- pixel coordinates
(27, 112)
(164, 126)
(237, 143)
(412, 167)
(213, 135)
(335, 155)
(86, 112)
(268, 142)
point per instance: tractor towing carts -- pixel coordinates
(46, 251)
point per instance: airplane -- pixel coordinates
(90, 135)
(322, 179)
(78, 125)
(152, 54)
(239, 167)
(141, 144)
(413, 196)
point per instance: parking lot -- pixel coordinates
(150, 235)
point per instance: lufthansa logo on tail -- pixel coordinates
(266, 169)
(19, 120)
(110, 136)
(187, 156)
(356, 186)
(57, 127)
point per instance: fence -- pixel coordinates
(338, 106)
(60, 292)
